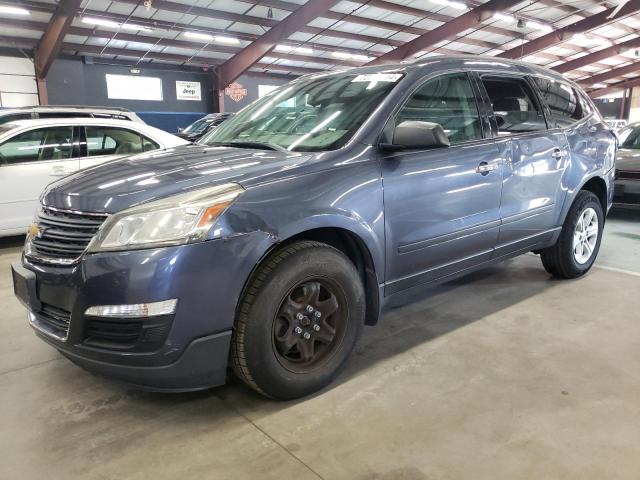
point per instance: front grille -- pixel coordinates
(63, 235)
(628, 175)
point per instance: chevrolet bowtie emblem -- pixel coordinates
(34, 231)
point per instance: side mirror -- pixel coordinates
(415, 135)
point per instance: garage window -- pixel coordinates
(448, 100)
(132, 87)
(116, 141)
(54, 143)
(565, 105)
(514, 105)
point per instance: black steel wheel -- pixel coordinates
(298, 321)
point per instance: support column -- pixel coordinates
(43, 95)
(218, 101)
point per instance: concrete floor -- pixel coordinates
(504, 375)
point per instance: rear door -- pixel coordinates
(537, 157)
(441, 204)
(29, 161)
(103, 143)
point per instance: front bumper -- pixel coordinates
(627, 191)
(184, 351)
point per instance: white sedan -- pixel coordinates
(34, 153)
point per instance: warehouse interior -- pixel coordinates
(505, 373)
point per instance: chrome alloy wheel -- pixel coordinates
(585, 236)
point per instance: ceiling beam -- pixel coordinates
(49, 45)
(459, 24)
(565, 33)
(612, 74)
(245, 59)
(615, 88)
(594, 57)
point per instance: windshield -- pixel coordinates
(198, 126)
(630, 138)
(311, 115)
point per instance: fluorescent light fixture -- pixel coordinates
(221, 39)
(600, 85)
(137, 28)
(100, 21)
(198, 36)
(14, 10)
(289, 49)
(450, 3)
(350, 56)
(503, 17)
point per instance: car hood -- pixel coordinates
(628, 159)
(119, 184)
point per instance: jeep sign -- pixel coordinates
(188, 90)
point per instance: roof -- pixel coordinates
(578, 37)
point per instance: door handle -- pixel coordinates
(484, 168)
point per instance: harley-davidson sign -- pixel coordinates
(236, 92)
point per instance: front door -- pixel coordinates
(30, 161)
(442, 204)
(537, 157)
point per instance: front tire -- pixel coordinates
(577, 247)
(298, 321)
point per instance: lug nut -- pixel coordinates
(299, 316)
(309, 308)
(316, 327)
(307, 335)
(317, 314)
(298, 330)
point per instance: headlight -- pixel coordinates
(177, 220)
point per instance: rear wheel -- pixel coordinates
(577, 247)
(298, 321)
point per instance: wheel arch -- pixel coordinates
(349, 243)
(598, 187)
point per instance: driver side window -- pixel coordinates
(449, 101)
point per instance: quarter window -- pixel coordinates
(116, 141)
(565, 105)
(55, 143)
(514, 105)
(448, 100)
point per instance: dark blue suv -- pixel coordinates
(268, 247)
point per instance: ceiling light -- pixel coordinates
(350, 56)
(288, 49)
(198, 36)
(600, 85)
(503, 17)
(220, 39)
(538, 26)
(14, 10)
(450, 3)
(137, 28)
(101, 22)
(342, 55)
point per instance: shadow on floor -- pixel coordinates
(14, 241)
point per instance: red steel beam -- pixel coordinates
(592, 58)
(616, 87)
(565, 33)
(459, 24)
(611, 75)
(245, 59)
(49, 45)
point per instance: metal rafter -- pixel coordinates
(459, 24)
(616, 87)
(49, 45)
(595, 57)
(565, 33)
(612, 74)
(245, 59)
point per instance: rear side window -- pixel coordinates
(63, 114)
(53, 143)
(448, 100)
(116, 141)
(566, 106)
(514, 105)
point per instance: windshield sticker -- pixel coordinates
(378, 77)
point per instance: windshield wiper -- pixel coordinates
(250, 144)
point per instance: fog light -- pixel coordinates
(166, 307)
